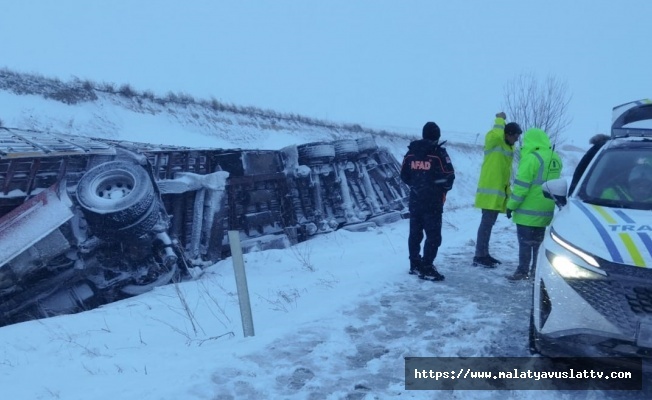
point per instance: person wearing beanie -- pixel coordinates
(596, 142)
(431, 131)
(493, 186)
(428, 171)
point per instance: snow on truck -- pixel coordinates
(88, 221)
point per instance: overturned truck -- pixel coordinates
(87, 221)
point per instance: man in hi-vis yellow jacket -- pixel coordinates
(493, 185)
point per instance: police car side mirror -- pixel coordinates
(557, 190)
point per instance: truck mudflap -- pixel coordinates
(33, 220)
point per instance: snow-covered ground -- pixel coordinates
(334, 317)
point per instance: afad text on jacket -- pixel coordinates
(428, 171)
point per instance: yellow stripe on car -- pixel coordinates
(604, 214)
(630, 243)
(632, 249)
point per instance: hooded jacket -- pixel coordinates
(539, 163)
(428, 171)
(493, 186)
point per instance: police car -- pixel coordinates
(593, 283)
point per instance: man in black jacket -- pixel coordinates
(428, 171)
(596, 143)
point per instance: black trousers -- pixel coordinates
(429, 222)
(529, 240)
(487, 222)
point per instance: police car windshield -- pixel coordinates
(621, 178)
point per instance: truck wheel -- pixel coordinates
(367, 144)
(316, 153)
(160, 276)
(141, 226)
(346, 148)
(115, 194)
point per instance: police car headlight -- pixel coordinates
(581, 254)
(569, 270)
(569, 267)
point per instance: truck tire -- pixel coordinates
(367, 144)
(142, 226)
(115, 194)
(346, 149)
(316, 153)
(163, 276)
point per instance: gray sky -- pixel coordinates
(383, 64)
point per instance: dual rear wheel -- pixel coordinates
(118, 200)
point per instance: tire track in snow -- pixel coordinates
(474, 312)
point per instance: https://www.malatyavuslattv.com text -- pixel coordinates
(522, 373)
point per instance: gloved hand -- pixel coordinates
(509, 213)
(501, 115)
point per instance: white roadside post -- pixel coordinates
(241, 283)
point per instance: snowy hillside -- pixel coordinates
(90, 109)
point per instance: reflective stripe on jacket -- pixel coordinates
(493, 186)
(539, 163)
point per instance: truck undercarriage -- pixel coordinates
(86, 221)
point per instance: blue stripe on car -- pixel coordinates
(647, 241)
(611, 246)
(624, 216)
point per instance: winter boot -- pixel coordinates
(415, 265)
(429, 272)
(494, 260)
(519, 276)
(485, 261)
